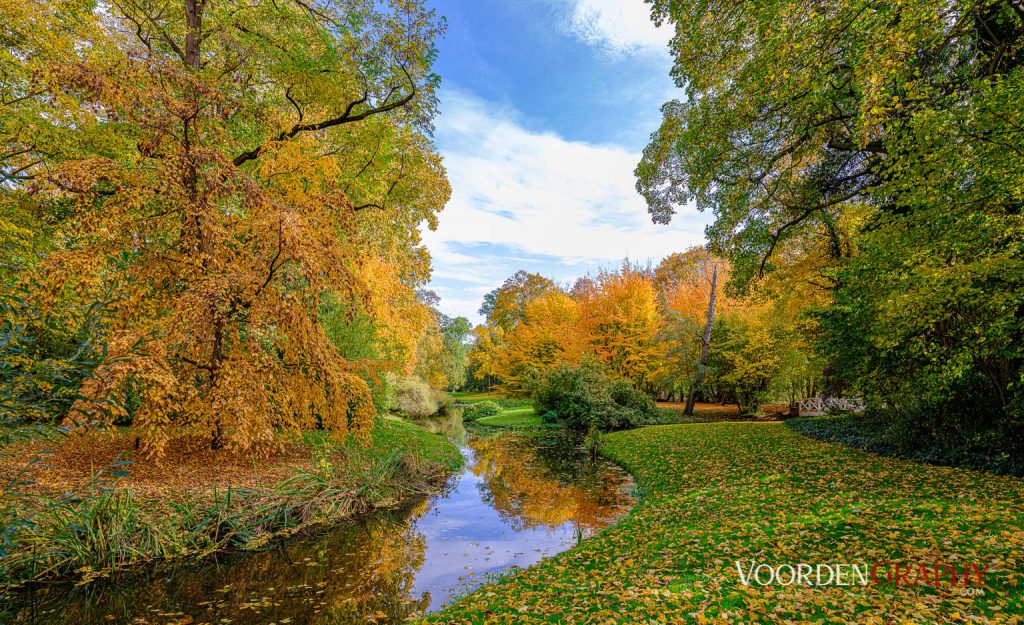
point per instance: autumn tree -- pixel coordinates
(621, 319)
(686, 283)
(505, 306)
(877, 146)
(211, 170)
(548, 334)
(488, 341)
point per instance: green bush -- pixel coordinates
(924, 431)
(45, 358)
(586, 398)
(481, 410)
(414, 397)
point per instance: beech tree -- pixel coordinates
(212, 168)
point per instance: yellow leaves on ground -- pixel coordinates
(717, 493)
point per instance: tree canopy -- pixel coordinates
(207, 171)
(870, 152)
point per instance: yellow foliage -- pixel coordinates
(212, 179)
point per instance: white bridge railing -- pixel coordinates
(816, 406)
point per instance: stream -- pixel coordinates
(521, 496)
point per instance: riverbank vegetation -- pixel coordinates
(716, 493)
(64, 515)
(517, 418)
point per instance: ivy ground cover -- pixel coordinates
(714, 494)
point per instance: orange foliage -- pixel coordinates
(546, 336)
(214, 178)
(621, 320)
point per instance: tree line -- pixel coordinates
(674, 331)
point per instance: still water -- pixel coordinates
(520, 498)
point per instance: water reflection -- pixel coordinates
(540, 481)
(522, 497)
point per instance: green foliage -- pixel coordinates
(415, 398)
(876, 146)
(931, 432)
(930, 311)
(481, 409)
(716, 493)
(585, 397)
(747, 362)
(356, 337)
(456, 333)
(45, 358)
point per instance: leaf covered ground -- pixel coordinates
(716, 493)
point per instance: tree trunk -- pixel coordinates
(193, 33)
(705, 346)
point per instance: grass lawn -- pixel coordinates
(513, 418)
(716, 493)
(463, 397)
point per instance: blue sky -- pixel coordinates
(546, 106)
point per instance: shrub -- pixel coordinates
(444, 401)
(414, 397)
(481, 410)
(924, 431)
(585, 398)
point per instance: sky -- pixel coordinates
(546, 106)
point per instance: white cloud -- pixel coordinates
(622, 26)
(529, 199)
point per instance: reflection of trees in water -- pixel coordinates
(449, 425)
(543, 481)
(359, 573)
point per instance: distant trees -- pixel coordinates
(871, 153)
(648, 327)
(505, 306)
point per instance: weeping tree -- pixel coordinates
(218, 166)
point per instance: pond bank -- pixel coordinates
(717, 493)
(70, 520)
(520, 497)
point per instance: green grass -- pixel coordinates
(715, 493)
(513, 418)
(393, 433)
(463, 397)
